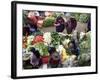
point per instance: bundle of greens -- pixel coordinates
(43, 49)
(55, 39)
(85, 43)
(48, 22)
(84, 18)
(84, 59)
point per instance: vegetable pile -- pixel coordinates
(63, 44)
(43, 49)
(55, 39)
(48, 22)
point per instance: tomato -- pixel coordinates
(38, 38)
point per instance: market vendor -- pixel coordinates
(70, 25)
(59, 24)
(32, 20)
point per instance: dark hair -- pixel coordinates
(51, 50)
(59, 18)
(71, 25)
(35, 52)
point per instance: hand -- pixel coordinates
(58, 24)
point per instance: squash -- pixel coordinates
(64, 55)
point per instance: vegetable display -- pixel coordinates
(85, 43)
(48, 22)
(43, 49)
(55, 39)
(84, 18)
(60, 47)
(81, 17)
(38, 38)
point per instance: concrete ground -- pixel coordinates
(81, 27)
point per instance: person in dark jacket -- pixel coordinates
(35, 59)
(55, 59)
(32, 20)
(71, 25)
(59, 24)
